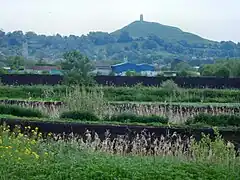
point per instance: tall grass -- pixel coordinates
(85, 99)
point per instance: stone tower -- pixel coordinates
(141, 17)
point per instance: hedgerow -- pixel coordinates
(150, 94)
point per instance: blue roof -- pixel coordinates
(123, 67)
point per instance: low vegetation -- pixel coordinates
(29, 154)
(20, 111)
(215, 120)
(136, 94)
(29, 157)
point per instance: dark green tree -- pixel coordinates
(183, 66)
(77, 68)
(207, 70)
(16, 62)
(222, 71)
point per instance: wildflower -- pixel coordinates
(33, 142)
(40, 135)
(27, 151)
(20, 135)
(36, 155)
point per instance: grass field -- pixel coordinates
(32, 158)
(27, 155)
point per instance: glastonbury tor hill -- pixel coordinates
(138, 42)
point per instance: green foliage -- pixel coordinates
(182, 66)
(222, 72)
(16, 62)
(77, 68)
(170, 85)
(144, 29)
(45, 72)
(32, 158)
(77, 115)
(3, 71)
(20, 111)
(222, 68)
(102, 94)
(215, 120)
(139, 42)
(132, 118)
(215, 151)
(132, 73)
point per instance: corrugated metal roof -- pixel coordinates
(123, 67)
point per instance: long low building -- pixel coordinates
(144, 69)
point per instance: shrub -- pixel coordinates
(20, 111)
(215, 120)
(124, 117)
(170, 85)
(78, 115)
(132, 118)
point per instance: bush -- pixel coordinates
(170, 85)
(215, 120)
(20, 111)
(132, 118)
(78, 115)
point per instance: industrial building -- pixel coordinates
(143, 69)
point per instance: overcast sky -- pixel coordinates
(212, 19)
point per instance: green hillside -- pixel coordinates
(140, 42)
(143, 29)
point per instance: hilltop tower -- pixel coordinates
(141, 17)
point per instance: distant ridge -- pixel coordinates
(138, 42)
(142, 28)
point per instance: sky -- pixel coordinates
(212, 19)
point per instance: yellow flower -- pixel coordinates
(20, 135)
(36, 155)
(33, 142)
(27, 151)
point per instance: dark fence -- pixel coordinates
(30, 79)
(187, 82)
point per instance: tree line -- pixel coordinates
(105, 46)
